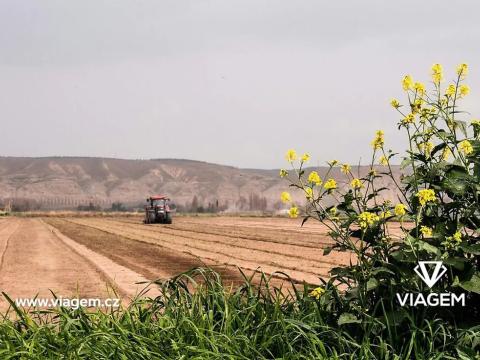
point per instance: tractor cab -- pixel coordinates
(159, 202)
(157, 210)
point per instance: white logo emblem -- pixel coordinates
(438, 271)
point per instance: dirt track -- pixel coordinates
(35, 262)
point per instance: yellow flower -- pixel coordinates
(437, 73)
(291, 155)
(330, 184)
(395, 103)
(425, 196)
(309, 193)
(453, 241)
(333, 213)
(407, 83)
(427, 148)
(345, 168)
(451, 90)
(372, 172)
(457, 236)
(419, 88)
(314, 178)
(409, 119)
(293, 212)
(383, 160)
(305, 157)
(356, 184)
(283, 173)
(446, 153)
(379, 140)
(385, 214)
(332, 162)
(416, 106)
(317, 292)
(426, 113)
(426, 231)
(285, 197)
(462, 70)
(465, 147)
(367, 219)
(400, 210)
(464, 90)
(451, 124)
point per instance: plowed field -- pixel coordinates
(85, 256)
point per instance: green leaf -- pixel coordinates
(423, 245)
(456, 262)
(405, 162)
(404, 255)
(394, 318)
(437, 148)
(305, 219)
(327, 250)
(372, 283)
(456, 180)
(410, 240)
(465, 353)
(382, 270)
(348, 318)
(471, 249)
(463, 126)
(352, 294)
(472, 285)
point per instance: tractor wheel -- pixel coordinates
(150, 218)
(168, 218)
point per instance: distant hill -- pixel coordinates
(69, 182)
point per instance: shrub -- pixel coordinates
(439, 193)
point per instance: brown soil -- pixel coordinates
(249, 247)
(35, 262)
(153, 262)
(69, 255)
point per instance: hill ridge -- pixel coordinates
(58, 182)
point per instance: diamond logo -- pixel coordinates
(423, 272)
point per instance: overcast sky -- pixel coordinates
(230, 82)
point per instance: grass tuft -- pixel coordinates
(197, 316)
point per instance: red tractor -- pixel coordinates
(158, 210)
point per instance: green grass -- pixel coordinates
(217, 322)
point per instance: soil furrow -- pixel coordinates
(279, 236)
(150, 260)
(291, 250)
(270, 265)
